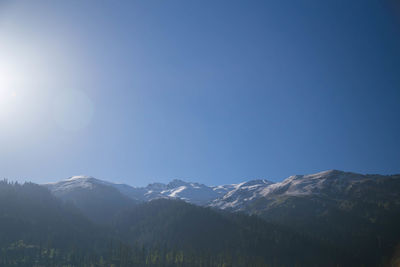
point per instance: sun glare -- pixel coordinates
(10, 80)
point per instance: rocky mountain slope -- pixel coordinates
(39, 229)
(95, 198)
(194, 193)
(358, 213)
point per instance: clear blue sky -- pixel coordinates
(209, 91)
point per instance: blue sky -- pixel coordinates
(209, 91)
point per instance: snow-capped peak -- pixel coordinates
(73, 183)
(77, 177)
(231, 196)
(176, 183)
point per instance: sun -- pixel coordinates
(8, 87)
(13, 84)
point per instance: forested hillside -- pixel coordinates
(203, 231)
(39, 229)
(98, 201)
(358, 213)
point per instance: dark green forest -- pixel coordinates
(38, 229)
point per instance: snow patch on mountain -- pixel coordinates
(330, 182)
(298, 185)
(231, 196)
(195, 193)
(72, 183)
(241, 194)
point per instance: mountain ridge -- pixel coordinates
(331, 205)
(192, 192)
(235, 197)
(227, 196)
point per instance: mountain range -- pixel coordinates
(39, 229)
(354, 212)
(331, 218)
(233, 197)
(194, 193)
